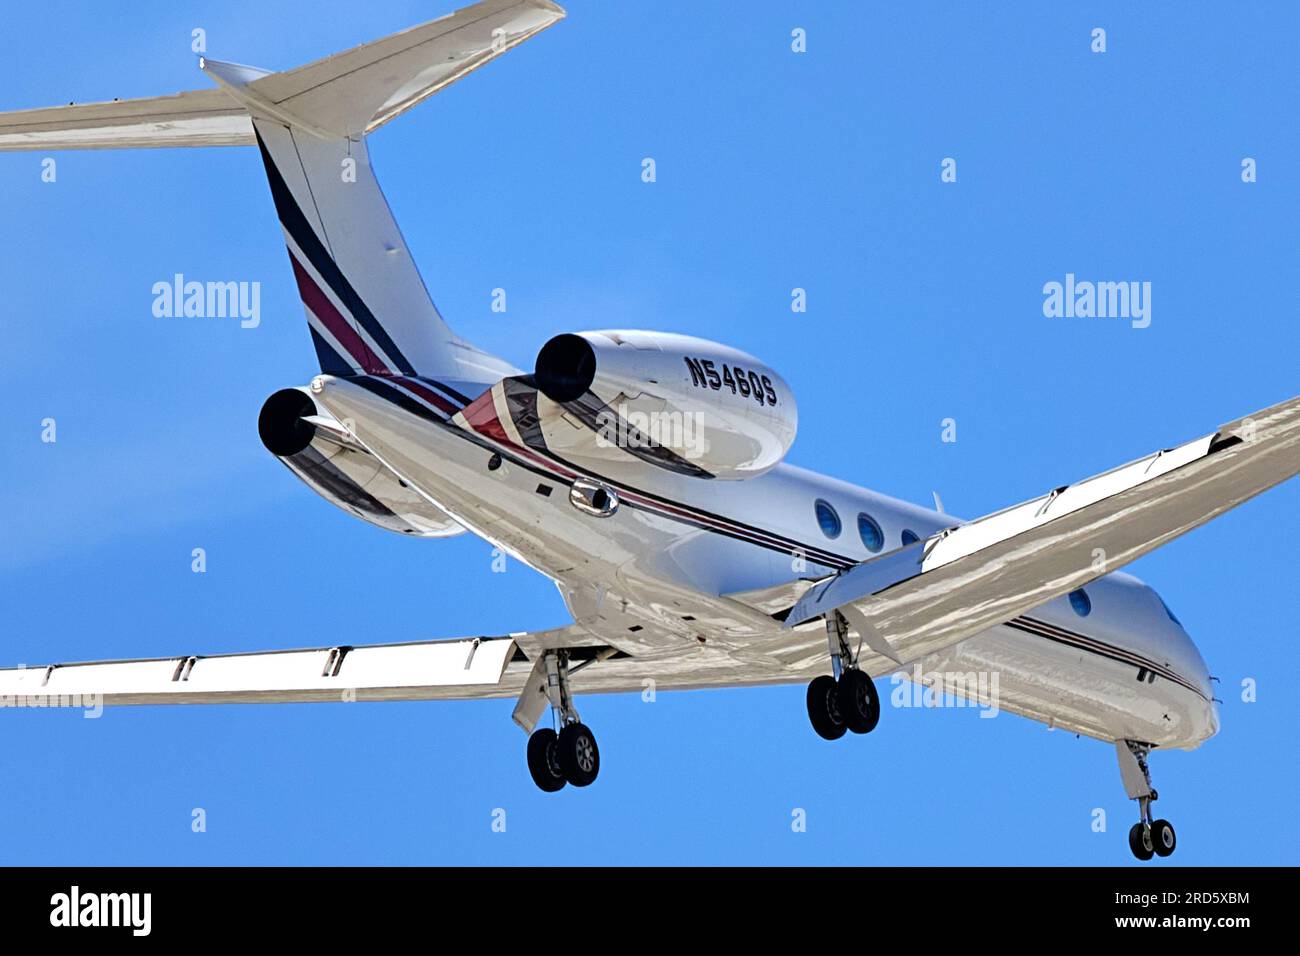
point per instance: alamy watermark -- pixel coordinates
(1084, 299)
(77, 908)
(92, 704)
(980, 689)
(679, 432)
(180, 298)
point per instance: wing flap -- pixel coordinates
(471, 667)
(973, 577)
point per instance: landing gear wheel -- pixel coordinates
(543, 761)
(1140, 841)
(858, 701)
(1163, 839)
(578, 756)
(824, 708)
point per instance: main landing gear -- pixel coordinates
(848, 699)
(1148, 837)
(570, 756)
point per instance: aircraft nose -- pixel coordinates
(1213, 723)
(1194, 666)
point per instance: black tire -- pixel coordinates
(543, 761)
(1140, 842)
(1163, 838)
(578, 754)
(824, 708)
(858, 701)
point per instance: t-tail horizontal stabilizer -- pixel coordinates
(345, 95)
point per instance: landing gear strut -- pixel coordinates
(1147, 837)
(846, 699)
(570, 756)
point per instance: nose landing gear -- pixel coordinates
(846, 699)
(1147, 838)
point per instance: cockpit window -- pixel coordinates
(909, 537)
(828, 519)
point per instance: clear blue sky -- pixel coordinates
(775, 170)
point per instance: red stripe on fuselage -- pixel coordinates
(481, 416)
(428, 394)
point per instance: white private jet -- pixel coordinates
(643, 473)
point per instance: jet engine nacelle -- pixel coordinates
(320, 451)
(682, 403)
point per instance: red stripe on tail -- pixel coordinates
(333, 320)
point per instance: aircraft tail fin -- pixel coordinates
(367, 306)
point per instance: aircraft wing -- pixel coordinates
(455, 669)
(962, 581)
(471, 667)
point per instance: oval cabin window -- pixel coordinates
(873, 539)
(828, 518)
